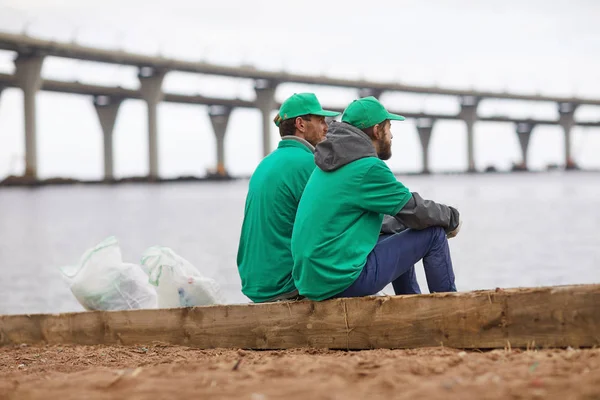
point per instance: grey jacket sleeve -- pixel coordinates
(391, 225)
(420, 214)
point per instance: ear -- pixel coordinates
(300, 124)
(377, 131)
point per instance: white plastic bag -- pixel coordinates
(178, 283)
(102, 281)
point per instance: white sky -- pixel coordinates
(551, 47)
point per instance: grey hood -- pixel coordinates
(342, 145)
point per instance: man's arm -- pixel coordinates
(382, 193)
(391, 225)
(420, 214)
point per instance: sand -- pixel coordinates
(163, 371)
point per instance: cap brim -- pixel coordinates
(395, 117)
(325, 113)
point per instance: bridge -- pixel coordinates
(31, 52)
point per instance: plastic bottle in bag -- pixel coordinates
(178, 283)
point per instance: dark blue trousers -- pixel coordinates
(393, 261)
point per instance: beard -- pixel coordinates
(385, 150)
(314, 137)
(314, 140)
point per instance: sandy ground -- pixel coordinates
(161, 371)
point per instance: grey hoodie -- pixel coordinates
(344, 144)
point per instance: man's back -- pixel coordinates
(264, 257)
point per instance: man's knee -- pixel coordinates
(431, 235)
(437, 233)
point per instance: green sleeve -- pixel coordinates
(381, 192)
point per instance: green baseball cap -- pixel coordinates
(366, 112)
(301, 104)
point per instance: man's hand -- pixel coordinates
(453, 233)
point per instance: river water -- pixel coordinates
(519, 230)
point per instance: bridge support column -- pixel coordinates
(219, 118)
(107, 109)
(524, 130)
(566, 119)
(151, 80)
(265, 100)
(366, 92)
(425, 127)
(29, 78)
(468, 112)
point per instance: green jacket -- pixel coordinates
(264, 256)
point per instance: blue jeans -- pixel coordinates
(393, 261)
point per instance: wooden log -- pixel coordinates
(558, 316)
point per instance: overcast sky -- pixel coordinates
(550, 47)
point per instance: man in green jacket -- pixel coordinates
(336, 243)
(264, 257)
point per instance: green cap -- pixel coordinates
(366, 112)
(301, 104)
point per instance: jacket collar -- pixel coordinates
(299, 140)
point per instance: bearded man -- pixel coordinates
(336, 244)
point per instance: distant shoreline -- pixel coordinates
(21, 181)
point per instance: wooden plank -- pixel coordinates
(558, 316)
